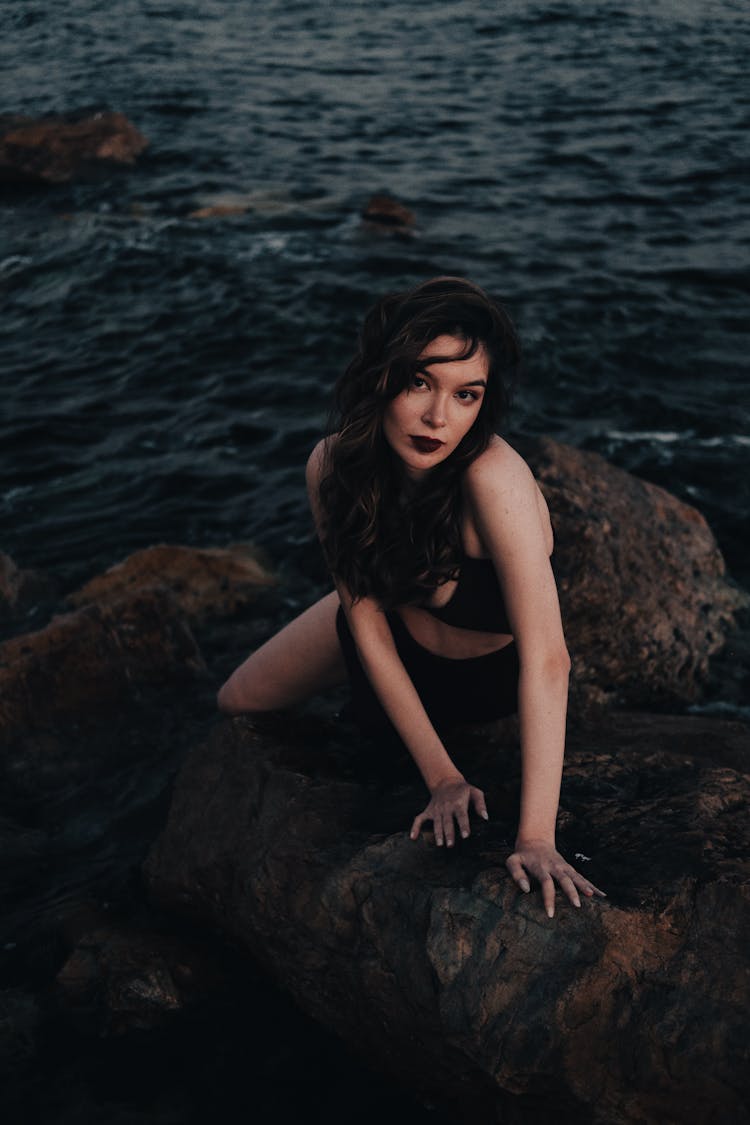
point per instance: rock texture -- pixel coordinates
(119, 979)
(643, 587)
(429, 962)
(56, 149)
(205, 583)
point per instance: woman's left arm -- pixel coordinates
(511, 518)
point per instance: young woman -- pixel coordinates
(439, 541)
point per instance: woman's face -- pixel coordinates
(426, 422)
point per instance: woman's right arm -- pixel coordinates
(450, 793)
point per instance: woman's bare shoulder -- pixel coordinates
(499, 467)
(317, 459)
(500, 480)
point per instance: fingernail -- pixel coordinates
(464, 835)
(525, 886)
(576, 902)
(550, 912)
(485, 815)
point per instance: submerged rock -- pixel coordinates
(55, 149)
(644, 593)
(430, 963)
(386, 212)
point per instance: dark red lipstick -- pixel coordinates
(425, 444)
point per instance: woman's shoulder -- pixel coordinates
(316, 462)
(500, 481)
(500, 466)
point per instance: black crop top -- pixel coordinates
(477, 601)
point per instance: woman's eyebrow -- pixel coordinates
(422, 369)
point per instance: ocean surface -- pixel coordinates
(164, 376)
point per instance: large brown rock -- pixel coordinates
(429, 962)
(55, 149)
(85, 663)
(205, 582)
(643, 587)
(120, 677)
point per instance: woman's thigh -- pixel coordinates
(304, 658)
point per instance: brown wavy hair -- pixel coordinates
(383, 535)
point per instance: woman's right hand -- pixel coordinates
(450, 800)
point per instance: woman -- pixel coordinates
(439, 542)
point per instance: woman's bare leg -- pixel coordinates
(303, 659)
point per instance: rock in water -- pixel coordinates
(206, 583)
(430, 963)
(90, 661)
(643, 588)
(386, 212)
(56, 149)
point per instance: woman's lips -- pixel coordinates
(425, 444)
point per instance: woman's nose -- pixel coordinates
(434, 414)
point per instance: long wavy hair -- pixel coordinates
(382, 534)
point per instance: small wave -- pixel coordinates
(8, 266)
(12, 494)
(270, 242)
(668, 437)
(721, 709)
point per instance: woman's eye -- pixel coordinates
(418, 381)
(467, 396)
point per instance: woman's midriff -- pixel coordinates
(449, 640)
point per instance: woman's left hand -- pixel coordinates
(542, 861)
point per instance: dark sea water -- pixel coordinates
(164, 377)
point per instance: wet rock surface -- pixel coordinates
(432, 964)
(61, 147)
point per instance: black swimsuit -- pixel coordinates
(470, 689)
(477, 601)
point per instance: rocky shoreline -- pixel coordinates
(284, 841)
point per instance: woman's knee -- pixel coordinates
(252, 687)
(295, 664)
(237, 695)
